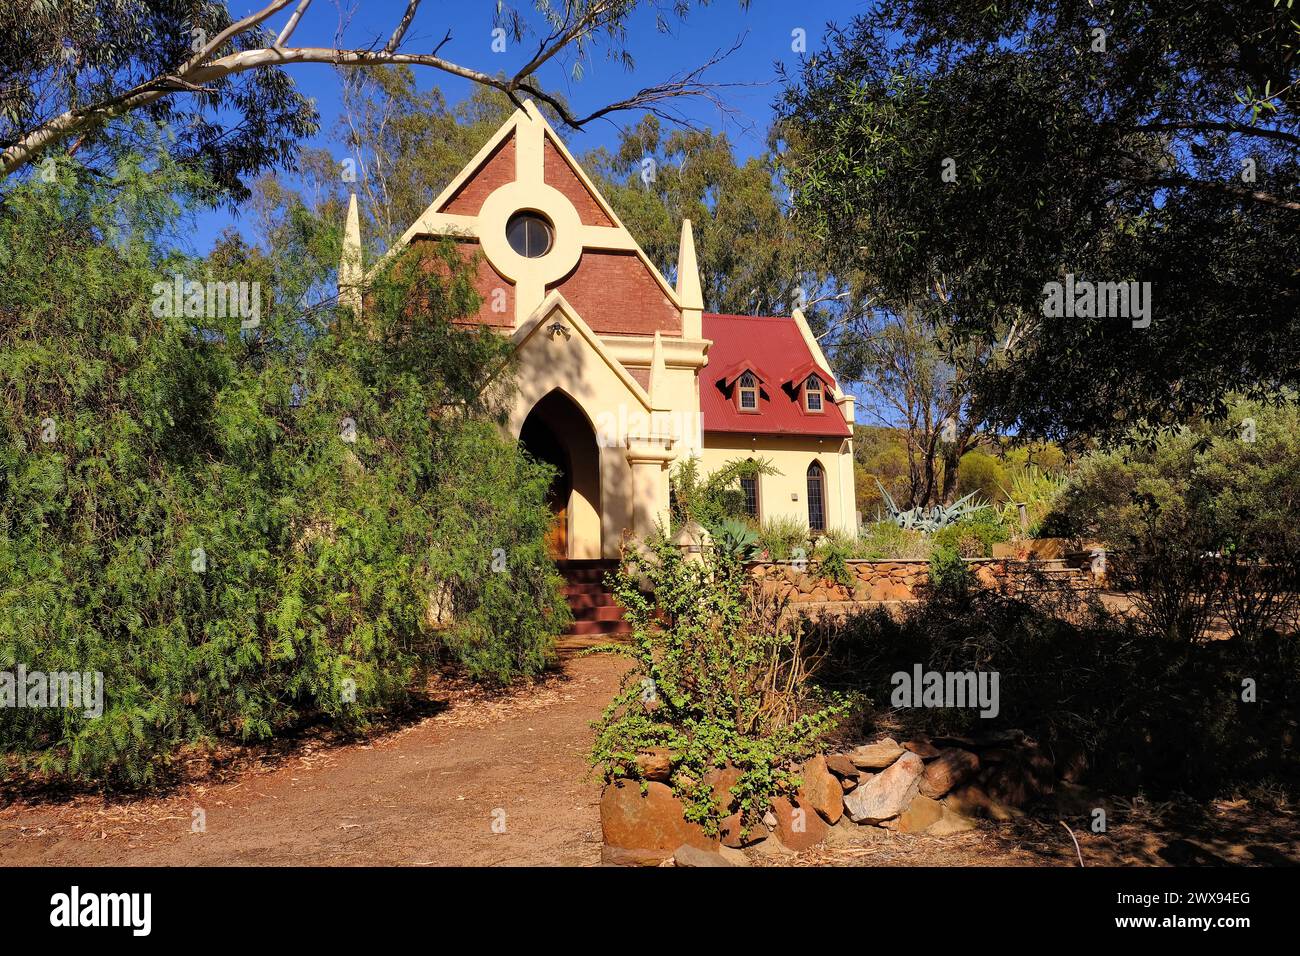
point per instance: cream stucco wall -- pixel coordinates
(785, 495)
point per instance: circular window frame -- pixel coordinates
(531, 215)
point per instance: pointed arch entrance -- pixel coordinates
(558, 432)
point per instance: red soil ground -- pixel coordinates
(425, 794)
(428, 794)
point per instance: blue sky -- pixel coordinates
(765, 29)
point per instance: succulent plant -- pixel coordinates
(735, 540)
(930, 519)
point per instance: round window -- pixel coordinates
(529, 235)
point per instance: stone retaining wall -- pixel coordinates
(897, 580)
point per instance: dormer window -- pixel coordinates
(747, 393)
(812, 394)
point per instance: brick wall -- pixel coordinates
(497, 171)
(486, 280)
(559, 175)
(614, 292)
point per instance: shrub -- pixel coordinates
(885, 539)
(1037, 490)
(949, 572)
(1152, 717)
(782, 537)
(714, 498)
(241, 528)
(718, 676)
(834, 550)
(973, 536)
(1204, 519)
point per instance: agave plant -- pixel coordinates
(734, 539)
(930, 519)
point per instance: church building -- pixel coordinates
(622, 376)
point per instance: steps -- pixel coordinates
(597, 617)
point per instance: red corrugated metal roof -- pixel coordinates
(775, 345)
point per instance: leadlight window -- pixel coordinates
(812, 391)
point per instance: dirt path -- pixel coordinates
(424, 795)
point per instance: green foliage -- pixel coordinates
(1037, 490)
(972, 536)
(717, 677)
(834, 550)
(735, 540)
(1197, 512)
(949, 572)
(716, 498)
(242, 528)
(965, 154)
(885, 539)
(782, 537)
(979, 473)
(70, 56)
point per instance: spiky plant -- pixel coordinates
(930, 519)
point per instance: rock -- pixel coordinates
(951, 768)
(649, 824)
(876, 756)
(847, 784)
(618, 856)
(821, 790)
(655, 763)
(730, 832)
(798, 827)
(971, 800)
(769, 818)
(721, 780)
(734, 857)
(921, 814)
(773, 849)
(922, 747)
(687, 855)
(951, 822)
(886, 794)
(841, 766)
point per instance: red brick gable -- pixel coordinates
(494, 288)
(497, 170)
(614, 292)
(560, 175)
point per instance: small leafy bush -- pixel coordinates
(885, 539)
(782, 537)
(949, 572)
(718, 676)
(974, 536)
(834, 550)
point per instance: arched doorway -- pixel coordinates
(557, 432)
